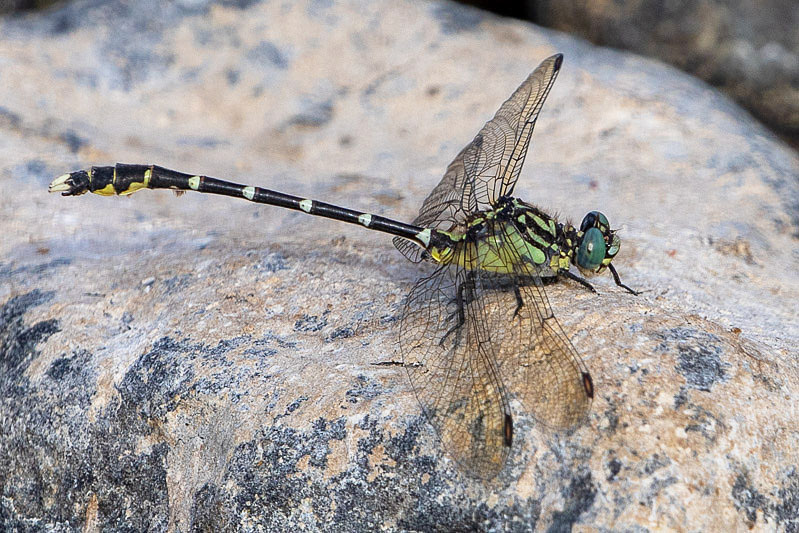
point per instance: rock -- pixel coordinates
(749, 50)
(206, 363)
(11, 6)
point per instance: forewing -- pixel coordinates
(488, 167)
(453, 371)
(516, 120)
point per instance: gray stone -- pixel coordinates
(748, 49)
(203, 363)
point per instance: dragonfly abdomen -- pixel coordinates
(123, 179)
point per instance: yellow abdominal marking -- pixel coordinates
(194, 182)
(108, 190)
(137, 185)
(442, 255)
(248, 193)
(365, 219)
(306, 205)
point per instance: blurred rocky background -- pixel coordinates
(749, 49)
(9, 6)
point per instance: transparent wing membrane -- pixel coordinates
(488, 167)
(471, 338)
(449, 354)
(536, 358)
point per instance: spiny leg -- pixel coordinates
(460, 301)
(578, 279)
(519, 300)
(617, 279)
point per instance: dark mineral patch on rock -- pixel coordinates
(579, 496)
(699, 356)
(17, 340)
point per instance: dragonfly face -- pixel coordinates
(596, 244)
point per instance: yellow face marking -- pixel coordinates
(306, 205)
(365, 219)
(424, 237)
(194, 182)
(248, 192)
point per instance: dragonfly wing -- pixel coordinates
(514, 123)
(488, 167)
(536, 359)
(446, 348)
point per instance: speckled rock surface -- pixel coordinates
(747, 48)
(202, 363)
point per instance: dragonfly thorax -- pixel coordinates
(519, 238)
(512, 238)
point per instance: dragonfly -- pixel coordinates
(478, 331)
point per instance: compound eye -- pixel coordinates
(594, 219)
(589, 221)
(592, 249)
(614, 247)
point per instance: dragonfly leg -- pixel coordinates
(617, 279)
(578, 279)
(519, 301)
(467, 286)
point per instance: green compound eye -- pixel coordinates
(614, 247)
(594, 219)
(592, 250)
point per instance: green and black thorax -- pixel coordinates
(517, 237)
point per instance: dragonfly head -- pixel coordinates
(596, 244)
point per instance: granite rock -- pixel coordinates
(203, 363)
